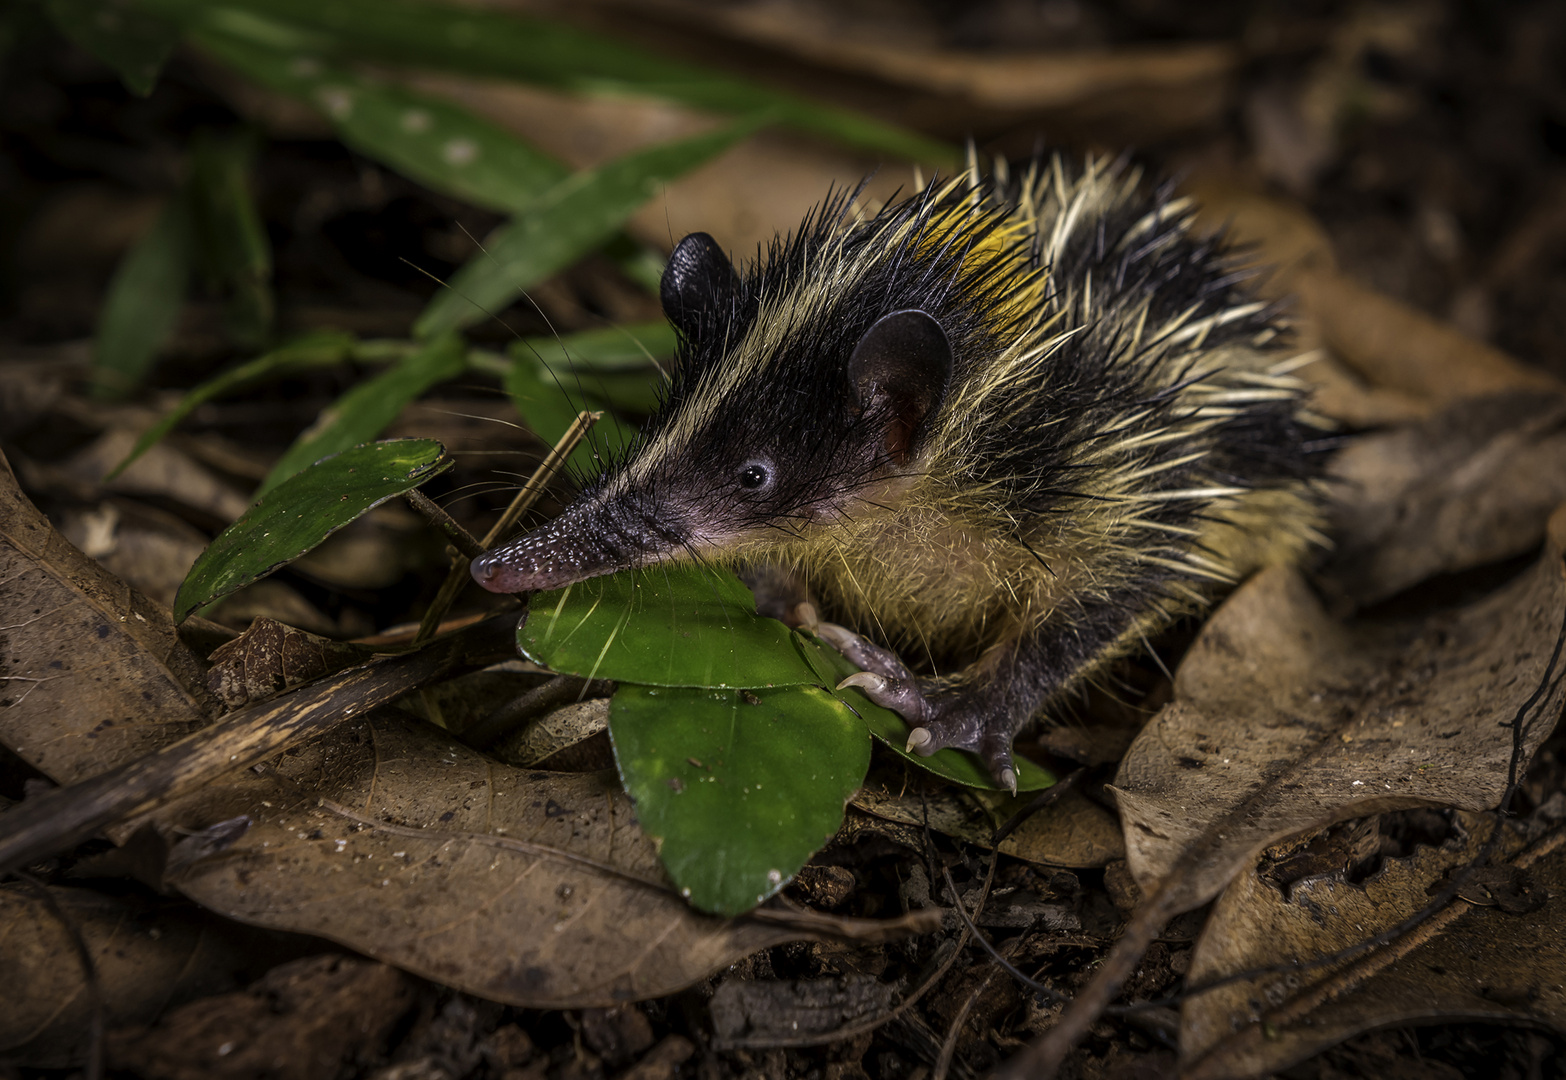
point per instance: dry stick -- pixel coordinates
(457, 576)
(460, 538)
(49, 823)
(1042, 1057)
(943, 1062)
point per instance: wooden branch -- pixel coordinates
(47, 824)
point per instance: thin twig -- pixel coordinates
(944, 1062)
(457, 577)
(460, 538)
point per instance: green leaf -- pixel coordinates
(363, 412)
(303, 511)
(697, 627)
(550, 407)
(954, 765)
(230, 237)
(576, 216)
(506, 45)
(667, 626)
(132, 42)
(612, 348)
(317, 350)
(441, 145)
(738, 788)
(892, 731)
(143, 303)
(551, 379)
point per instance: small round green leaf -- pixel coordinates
(738, 787)
(305, 509)
(667, 626)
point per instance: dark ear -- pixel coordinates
(698, 284)
(901, 367)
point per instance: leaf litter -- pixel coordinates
(412, 848)
(1285, 720)
(1490, 955)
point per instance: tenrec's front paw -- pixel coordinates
(935, 723)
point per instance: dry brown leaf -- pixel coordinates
(1468, 963)
(91, 672)
(532, 888)
(301, 1021)
(147, 956)
(1471, 485)
(1393, 346)
(161, 472)
(1396, 346)
(554, 732)
(1073, 831)
(270, 657)
(149, 549)
(1284, 720)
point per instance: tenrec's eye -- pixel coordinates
(755, 476)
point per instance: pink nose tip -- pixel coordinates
(493, 574)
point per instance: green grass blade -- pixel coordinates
(230, 237)
(318, 350)
(143, 302)
(135, 44)
(574, 218)
(549, 408)
(304, 510)
(738, 789)
(610, 349)
(528, 49)
(363, 412)
(441, 145)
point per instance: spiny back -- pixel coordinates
(1116, 403)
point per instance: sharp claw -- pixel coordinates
(916, 738)
(807, 618)
(868, 680)
(836, 636)
(1008, 780)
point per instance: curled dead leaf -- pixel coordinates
(1284, 720)
(1467, 963)
(1471, 485)
(93, 673)
(271, 657)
